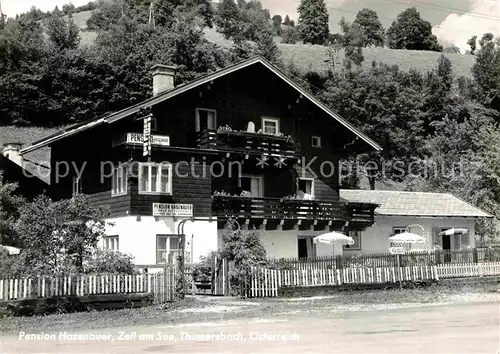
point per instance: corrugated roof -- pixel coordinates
(414, 203)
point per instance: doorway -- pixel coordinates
(447, 248)
(252, 184)
(306, 247)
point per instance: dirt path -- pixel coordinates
(467, 328)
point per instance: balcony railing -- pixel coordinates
(249, 143)
(276, 208)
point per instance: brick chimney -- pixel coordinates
(11, 151)
(163, 78)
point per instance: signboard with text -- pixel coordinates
(137, 138)
(164, 209)
(397, 250)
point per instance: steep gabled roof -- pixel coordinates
(396, 203)
(113, 117)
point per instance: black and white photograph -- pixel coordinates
(249, 176)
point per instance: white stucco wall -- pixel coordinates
(284, 244)
(137, 236)
(374, 238)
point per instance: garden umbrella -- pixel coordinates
(333, 238)
(454, 231)
(407, 237)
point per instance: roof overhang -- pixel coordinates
(113, 117)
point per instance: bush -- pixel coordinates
(244, 250)
(109, 262)
(202, 271)
(9, 264)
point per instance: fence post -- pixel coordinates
(475, 258)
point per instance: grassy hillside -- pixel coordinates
(313, 57)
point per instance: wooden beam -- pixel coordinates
(263, 225)
(280, 225)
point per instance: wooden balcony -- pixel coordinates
(249, 143)
(276, 208)
(315, 213)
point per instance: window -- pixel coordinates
(155, 178)
(270, 125)
(77, 185)
(252, 184)
(111, 243)
(398, 230)
(306, 185)
(206, 119)
(167, 249)
(395, 231)
(119, 180)
(356, 236)
(316, 141)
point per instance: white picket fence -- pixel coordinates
(161, 285)
(267, 282)
(468, 270)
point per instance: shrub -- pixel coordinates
(109, 262)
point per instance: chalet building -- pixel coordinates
(246, 142)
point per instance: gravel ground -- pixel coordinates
(209, 309)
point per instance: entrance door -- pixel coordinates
(447, 248)
(306, 247)
(302, 248)
(252, 184)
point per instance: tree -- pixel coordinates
(371, 31)
(385, 103)
(57, 236)
(288, 22)
(10, 203)
(313, 21)
(290, 35)
(105, 15)
(245, 250)
(268, 48)
(472, 43)
(277, 24)
(412, 32)
(227, 19)
(62, 34)
(452, 49)
(486, 70)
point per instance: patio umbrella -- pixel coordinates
(407, 237)
(453, 231)
(332, 238)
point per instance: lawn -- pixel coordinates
(209, 309)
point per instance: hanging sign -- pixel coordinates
(147, 136)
